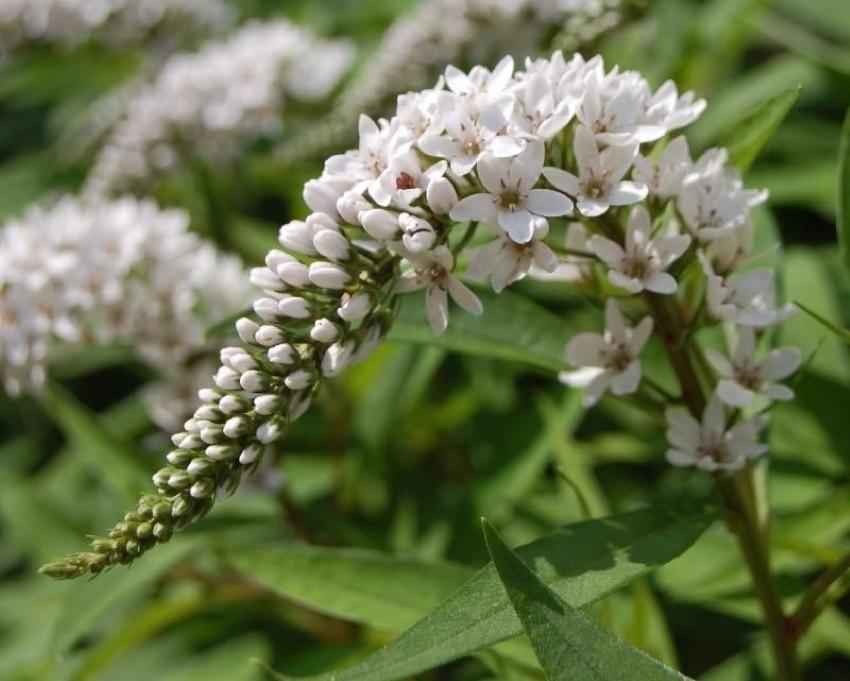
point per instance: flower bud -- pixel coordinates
(227, 379)
(246, 328)
(269, 431)
(207, 412)
(337, 357)
(276, 258)
(212, 434)
(267, 404)
(234, 404)
(179, 480)
(266, 309)
(349, 206)
(324, 331)
(201, 466)
(441, 196)
(295, 307)
(241, 363)
(268, 335)
(331, 244)
(298, 380)
(293, 273)
(282, 354)
(379, 223)
(237, 426)
(255, 381)
(222, 452)
(179, 457)
(263, 277)
(250, 454)
(418, 234)
(202, 489)
(296, 236)
(327, 275)
(354, 308)
(321, 195)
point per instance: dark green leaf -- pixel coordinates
(581, 563)
(746, 139)
(373, 588)
(570, 646)
(511, 328)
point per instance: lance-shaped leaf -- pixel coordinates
(581, 563)
(569, 645)
(843, 222)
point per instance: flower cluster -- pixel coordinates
(70, 22)
(118, 272)
(208, 101)
(516, 153)
(419, 45)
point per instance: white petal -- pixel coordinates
(561, 179)
(663, 283)
(780, 363)
(610, 252)
(492, 172)
(464, 297)
(548, 202)
(677, 457)
(776, 391)
(733, 393)
(517, 223)
(595, 388)
(580, 378)
(614, 322)
(626, 193)
(640, 334)
(591, 207)
(721, 365)
(626, 382)
(586, 350)
(437, 309)
(622, 281)
(475, 207)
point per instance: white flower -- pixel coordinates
(744, 376)
(748, 299)
(600, 183)
(613, 109)
(510, 201)
(665, 178)
(608, 360)
(434, 274)
(642, 263)
(506, 261)
(541, 116)
(417, 234)
(667, 109)
(713, 201)
(404, 180)
(467, 138)
(709, 445)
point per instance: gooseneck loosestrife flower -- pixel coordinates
(564, 145)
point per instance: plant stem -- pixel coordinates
(737, 491)
(816, 598)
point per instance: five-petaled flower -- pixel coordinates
(607, 360)
(707, 444)
(641, 264)
(599, 184)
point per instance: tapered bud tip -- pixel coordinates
(71, 568)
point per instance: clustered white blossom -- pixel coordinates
(71, 22)
(419, 45)
(565, 141)
(209, 101)
(119, 272)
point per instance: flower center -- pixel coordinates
(472, 147)
(636, 267)
(596, 187)
(618, 358)
(405, 181)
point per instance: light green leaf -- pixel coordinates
(843, 334)
(581, 563)
(843, 221)
(570, 646)
(369, 587)
(747, 139)
(512, 328)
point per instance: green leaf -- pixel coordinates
(569, 645)
(581, 563)
(843, 334)
(512, 328)
(843, 221)
(748, 138)
(369, 587)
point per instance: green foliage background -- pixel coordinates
(403, 455)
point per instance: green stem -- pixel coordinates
(818, 596)
(737, 491)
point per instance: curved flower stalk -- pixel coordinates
(211, 100)
(562, 140)
(71, 22)
(419, 45)
(117, 272)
